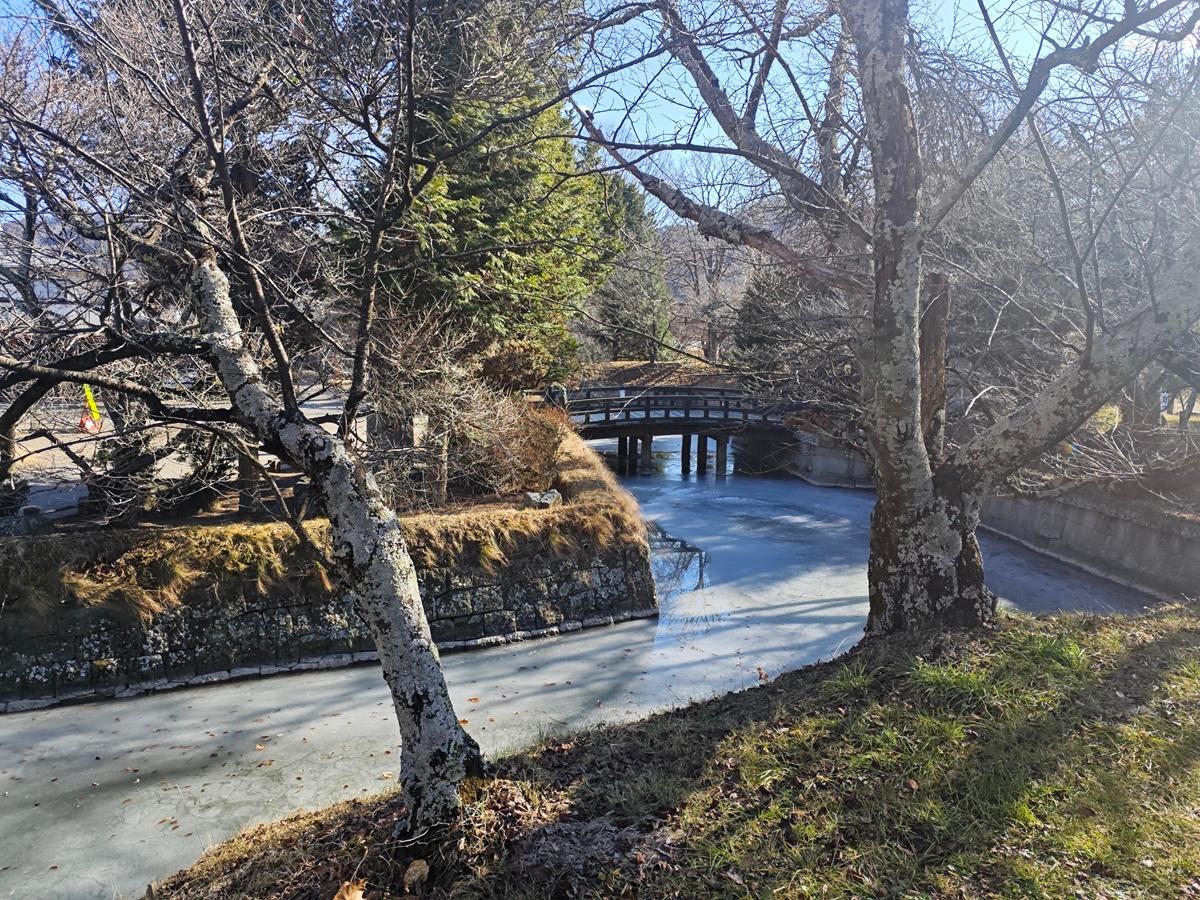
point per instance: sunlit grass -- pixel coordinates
(1050, 758)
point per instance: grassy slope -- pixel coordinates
(1056, 757)
(677, 373)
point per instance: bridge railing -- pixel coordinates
(622, 390)
(614, 404)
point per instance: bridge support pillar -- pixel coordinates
(631, 462)
(685, 457)
(622, 454)
(647, 449)
(701, 454)
(722, 441)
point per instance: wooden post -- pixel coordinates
(248, 482)
(647, 449)
(632, 462)
(722, 454)
(437, 468)
(701, 454)
(622, 455)
(685, 457)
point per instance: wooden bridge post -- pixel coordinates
(701, 454)
(647, 449)
(631, 461)
(685, 458)
(722, 453)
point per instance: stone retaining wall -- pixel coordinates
(571, 567)
(96, 654)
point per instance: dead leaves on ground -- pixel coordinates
(415, 876)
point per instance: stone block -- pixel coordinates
(455, 603)
(496, 624)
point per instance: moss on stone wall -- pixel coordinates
(141, 572)
(108, 613)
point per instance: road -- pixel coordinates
(98, 800)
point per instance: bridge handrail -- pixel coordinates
(654, 410)
(661, 400)
(655, 390)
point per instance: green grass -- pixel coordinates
(1049, 758)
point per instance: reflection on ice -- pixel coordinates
(678, 566)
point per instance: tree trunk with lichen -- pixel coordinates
(925, 564)
(371, 562)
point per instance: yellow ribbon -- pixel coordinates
(90, 399)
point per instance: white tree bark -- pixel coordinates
(371, 558)
(924, 563)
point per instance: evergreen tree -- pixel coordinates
(630, 311)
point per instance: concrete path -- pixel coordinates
(98, 800)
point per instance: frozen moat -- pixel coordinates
(756, 575)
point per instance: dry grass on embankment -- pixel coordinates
(1052, 757)
(142, 571)
(677, 373)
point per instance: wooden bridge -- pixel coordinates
(634, 415)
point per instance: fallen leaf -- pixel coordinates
(418, 871)
(472, 699)
(259, 747)
(351, 890)
(464, 721)
(384, 776)
(912, 784)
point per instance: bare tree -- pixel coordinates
(876, 140)
(233, 174)
(706, 278)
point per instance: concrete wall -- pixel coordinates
(829, 465)
(804, 455)
(1156, 553)
(1151, 552)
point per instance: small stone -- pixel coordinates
(542, 499)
